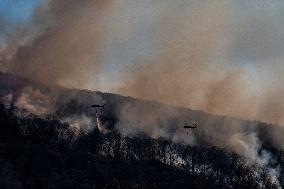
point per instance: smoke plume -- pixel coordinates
(66, 50)
(190, 54)
(202, 55)
(249, 146)
(185, 54)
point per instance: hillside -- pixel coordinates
(43, 153)
(49, 139)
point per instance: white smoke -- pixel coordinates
(33, 101)
(249, 146)
(154, 120)
(83, 122)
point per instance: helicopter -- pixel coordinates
(98, 106)
(192, 125)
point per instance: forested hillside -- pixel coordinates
(45, 153)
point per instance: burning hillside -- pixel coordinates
(189, 88)
(254, 142)
(46, 153)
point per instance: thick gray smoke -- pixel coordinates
(210, 55)
(203, 55)
(131, 117)
(60, 45)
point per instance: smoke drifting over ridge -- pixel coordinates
(181, 53)
(68, 47)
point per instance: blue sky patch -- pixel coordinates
(13, 11)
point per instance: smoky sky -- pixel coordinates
(223, 57)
